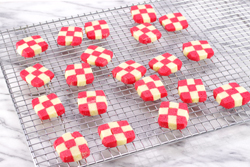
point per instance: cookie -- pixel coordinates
(37, 75)
(129, 72)
(70, 36)
(173, 22)
(72, 147)
(145, 33)
(91, 103)
(79, 74)
(98, 56)
(231, 95)
(173, 115)
(197, 50)
(48, 106)
(165, 64)
(97, 29)
(143, 13)
(31, 46)
(150, 88)
(116, 133)
(192, 91)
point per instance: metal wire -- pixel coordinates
(224, 23)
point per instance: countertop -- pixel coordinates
(226, 147)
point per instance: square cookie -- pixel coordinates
(129, 72)
(96, 55)
(97, 29)
(91, 103)
(48, 106)
(173, 115)
(72, 147)
(150, 88)
(173, 22)
(231, 95)
(116, 133)
(165, 64)
(79, 74)
(145, 33)
(70, 36)
(37, 75)
(192, 91)
(31, 46)
(143, 13)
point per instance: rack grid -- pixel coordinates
(224, 23)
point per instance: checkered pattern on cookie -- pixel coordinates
(31, 46)
(70, 36)
(173, 22)
(98, 56)
(97, 29)
(145, 33)
(48, 106)
(165, 64)
(91, 103)
(37, 75)
(150, 88)
(143, 13)
(192, 91)
(72, 147)
(129, 72)
(173, 115)
(197, 50)
(116, 133)
(231, 95)
(79, 74)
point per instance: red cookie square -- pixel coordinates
(173, 22)
(70, 36)
(97, 29)
(143, 13)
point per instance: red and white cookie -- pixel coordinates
(116, 133)
(129, 72)
(48, 106)
(31, 46)
(192, 91)
(97, 29)
(91, 103)
(143, 13)
(197, 50)
(37, 75)
(72, 147)
(165, 64)
(79, 74)
(173, 115)
(231, 95)
(98, 56)
(150, 88)
(145, 33)
(70, 36)
(173, 22)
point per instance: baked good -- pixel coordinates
(70, 36)
(173, 22)
(97, 29)
(143, 13)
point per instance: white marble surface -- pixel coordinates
(227, 147)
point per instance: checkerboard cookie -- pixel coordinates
(145, 33)
(79, 74)
(98, 56)
(143, 13)
(150, 88)
(192, 91)
(173, 115)
(70, 36)
(231, 95)
(165, 64)
(48, 106)
(31, 46)
(197, 50)
(37, 75)
(129, 72)
(116, 133)
(91, 103)
(72, 147)
(97, 29)
(173, 22)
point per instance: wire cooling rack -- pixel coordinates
(224, 23)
